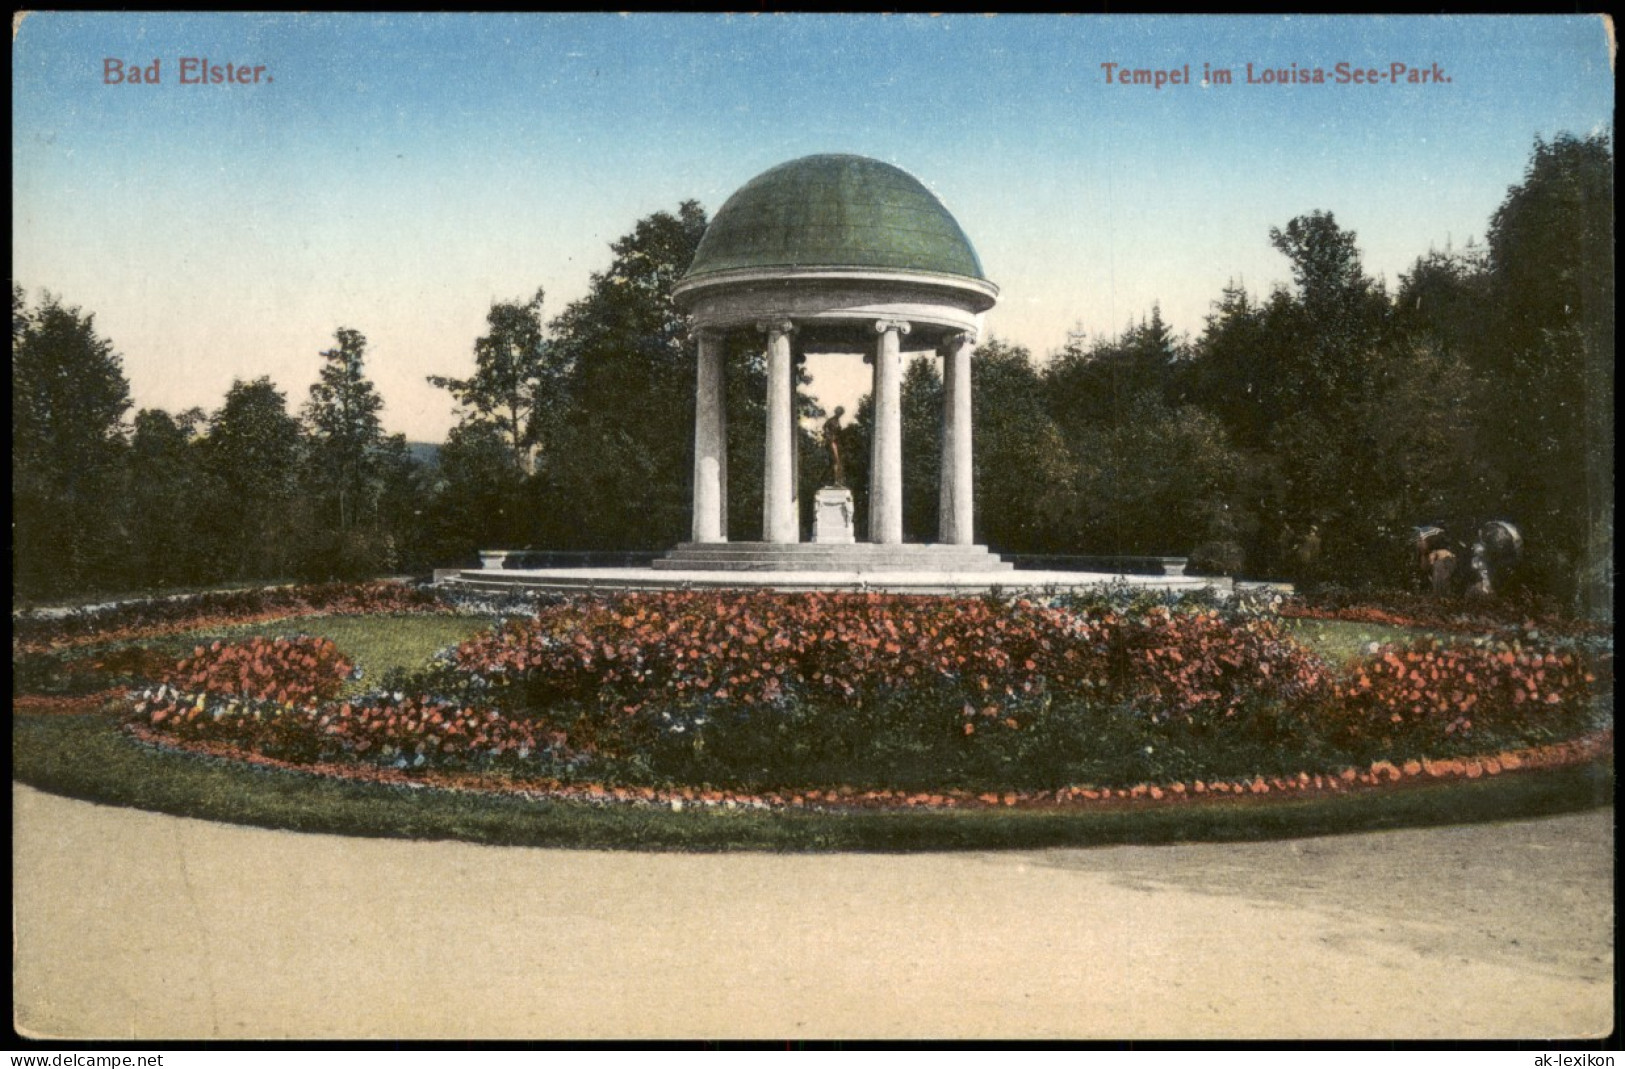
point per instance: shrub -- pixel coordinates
(393, 730)
(752, 682)
(881, 690)
(1216, 558)
(59, 672)
(413, 730)
(260, 693)
(298, 671)
(1476, 694)
(259, 725)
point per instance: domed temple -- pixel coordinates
(823, 254)
(835, 253)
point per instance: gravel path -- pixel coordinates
(135, 925)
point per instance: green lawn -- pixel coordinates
(380, 644)
(1340, 641)
(377, 644)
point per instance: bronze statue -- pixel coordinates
(832, 444)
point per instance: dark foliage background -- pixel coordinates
(1301, 435)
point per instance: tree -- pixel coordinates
(342, 417)
(478, 499)
(1159, 480)
(253, 457)
(1431, 438)
(1551, 242)
(1151, 476)
(1332, 323)
(1442, 299)
(1089, 386)
(348, 462)
(1550, 357)
(922, 449)
(1228, 371)
(515, 382)
(1427, 458)
(1325, 263)
(401, 538)
(617, 460)
(69, 396)
(1291, 380)
(1024, 474)
(164, 494)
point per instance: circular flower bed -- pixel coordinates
(851, 699)
(38, 632)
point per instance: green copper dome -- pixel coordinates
(835, 211)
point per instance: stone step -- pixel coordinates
(962, 584)
(836, 562)
(817, 549)
(923, 559)
(853, 557)
(831, 554)
(852, 567)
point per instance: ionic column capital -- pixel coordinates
(775, 326)
(901, 326)
(958, 341)
(710, 335)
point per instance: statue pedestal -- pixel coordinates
(833, 515)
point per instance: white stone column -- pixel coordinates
(957, 517)
(779, 522)
(724, 502)
(798, 360)
(710, 443)
(886, 460)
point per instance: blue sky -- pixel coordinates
(398, 173)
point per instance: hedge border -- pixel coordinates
(202, 787)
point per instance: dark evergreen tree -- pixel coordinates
(68, 447)
(345, 475)
(345, 432)
(922, 450)
(1229, 369)
(1024, 474)
(617, 459)
(253, 459)
(1550, 362)
(165, 493)
(478, 497)
(515, 385)
(1159, 480)
(1088, 386)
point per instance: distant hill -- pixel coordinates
(425, 453)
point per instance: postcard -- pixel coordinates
(1240, 301)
